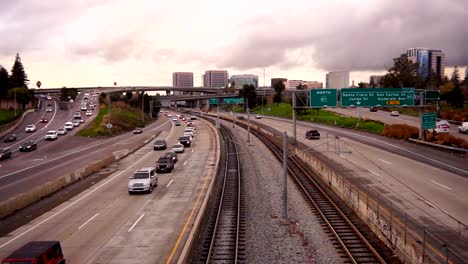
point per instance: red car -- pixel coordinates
(44, 120)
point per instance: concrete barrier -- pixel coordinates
(438, 145)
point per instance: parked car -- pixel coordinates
(160, 144)
(36, 252)
(143, 180)
(68, 126)
(9, 138)
(186, 141)
(5, 153)
(137, 130)
(51, 135)
(463, 128)
(44, 120)
(172, 155)
(312, 134)
(164, 164)
(178, 148)
(395, 113)
(61, 131)
(30, 128)
(28, 146)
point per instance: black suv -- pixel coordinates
(186, 141)
(172, 155)
(160, 144)
(28, 146)
(312, 134)
(10, 138)
(164, 164)
(5, 153)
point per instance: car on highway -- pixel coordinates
(138, 130)
(444, 124)
(68, 126)
(440, 128)
(51, 135)
(258, 116)
(312, 134)
(5, 153)
(177, 123)
(193, 118)
(76, 123)
(186, 141)
(37, 252)
(394, 113)
(77, 114)
(178, 148)
(89, 113)
(143, 180)
(30, 128)
(164, 164)
(83, 108)
(188, 132)
(62, 131)
(28, 146)
(172, 155)
(160, 144)
(49, 98)
(174, 119)
(44, 120)
(373, 109)
(463, 129)
(9, 138)
(49, 108)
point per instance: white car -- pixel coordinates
(62, 131)
(76, 123)
(68, 126)
(49, 109)
(143, 180)
(178, 148)
(30, 128)
(76, 114)
(83, 108)
(394, 113)
(258, 116)
(89, 113)
(51, 135)
(188, 132)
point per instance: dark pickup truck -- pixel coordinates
(164, 164)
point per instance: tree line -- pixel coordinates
(15, 85)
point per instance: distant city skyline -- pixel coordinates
(122, 41)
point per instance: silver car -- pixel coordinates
(143, 180)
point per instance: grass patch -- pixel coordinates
(123, 118)
(7, 116)
(322, 116)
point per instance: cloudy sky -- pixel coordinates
(141, 42)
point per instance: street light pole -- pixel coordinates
(14, 99)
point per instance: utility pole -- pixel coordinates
(248, 125)
(421, 111)
(14, 99)
(217, 113)
(294, 116)
(263, 88)
(143, 106)
(285, 175)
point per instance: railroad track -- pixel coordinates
(346, 233)
(224, 241)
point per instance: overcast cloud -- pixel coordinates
(151, 39)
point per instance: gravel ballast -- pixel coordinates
(269, 238)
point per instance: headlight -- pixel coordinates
(28, 147)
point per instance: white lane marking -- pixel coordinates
(185, 163)
(376, 140)
(193, 150)
(375, 173)
(75, 202)
(71, 153)
(134, 224)
(429, 203)
(441, 185)
(350, 147)
(169, 184)
(89, 220)
(384, 161)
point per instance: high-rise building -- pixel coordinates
(293, 84)
(274, 81)
(215, 79)
(466, 73)
(244, 79)
(182, 79)
(337, 80)
(428, 61)
(313, 85)
(375, 80)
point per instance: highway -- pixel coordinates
(386, 118)
(104, 224)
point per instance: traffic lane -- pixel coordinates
(90, 223)
(426, 193)
(25, 179)
(434, 157)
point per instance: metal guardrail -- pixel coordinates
(438, 145)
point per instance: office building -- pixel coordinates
(215, 79)
(337, 80)
(274, 81)
(313, 85)
(466, 73)
(293, 84)
(374, 80)
(238, 81)
(182, 79)
(428, 61)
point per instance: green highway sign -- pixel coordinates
(432, 95)
(383, 97)
(428, 120)
(323, 98)
(214, 101)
